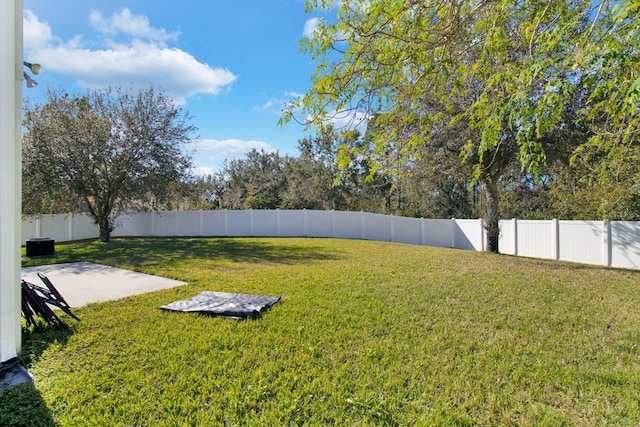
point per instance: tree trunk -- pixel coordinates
(491, 217)
(103, 210)
(105, 229)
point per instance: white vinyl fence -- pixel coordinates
(614, 243)
(449, 233)
(608, 243)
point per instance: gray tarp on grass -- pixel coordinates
(226, 304)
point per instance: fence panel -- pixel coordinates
(55, 227)
(291, 223)
(264, 222)
(346, 225)
(188, 223)
(508, 238)
(319, 223)
(238, 223)
(134, 224)
(536, 239)
(83, 227)
(30, 228)
(406, 230)
(625, 244)
(164, 223)
(375, 226)
(214, 223)
(581, 241)
(438, 232)
(469, 234)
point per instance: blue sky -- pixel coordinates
(231, 64)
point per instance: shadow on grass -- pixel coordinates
(23, 404)
(562, 265)
(140, 251)
(36, 340)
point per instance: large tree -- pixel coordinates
(111, 149)
(506, 69)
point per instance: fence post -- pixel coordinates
(514, 221)
(555, 233)
(453, 233)
(362, 225)
(421, 231)
(483, 236)
(304, 222)
(392, 229)
(70, 227)
(333, 223)
(607, 243)
(175, 222)
(226, 222)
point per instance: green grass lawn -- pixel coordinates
(366, 333)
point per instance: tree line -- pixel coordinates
(430, 187)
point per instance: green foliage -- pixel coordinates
(519, 76)
(424, 337)
(311, 176)
(393, 57)
(613, 69)
(254, 182)
(524, 197)
(313, 180)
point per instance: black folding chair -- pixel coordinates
(34, 304)
(53, 296)
(36, 300)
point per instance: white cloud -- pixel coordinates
(344, 120)
(36, 34)
(211, 153)
(269, 104)
(230, 148)
(204, 170)
(127, 23)
(135, 62)
(293, 95)
(310, 27)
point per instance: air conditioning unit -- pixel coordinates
(42, 246)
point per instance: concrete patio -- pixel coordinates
(81, 283)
